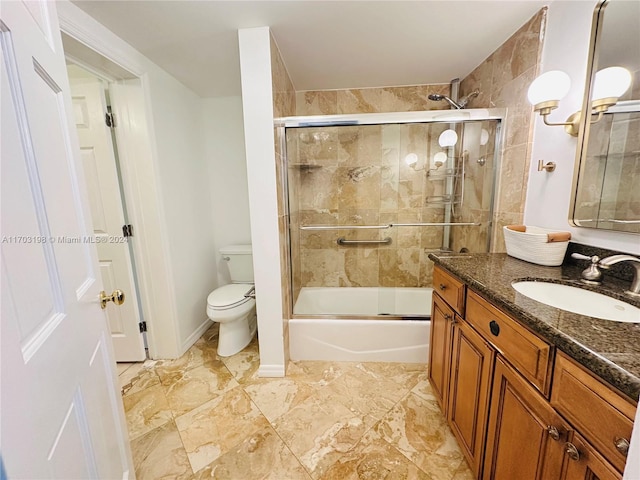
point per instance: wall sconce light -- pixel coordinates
(448, 138)
(546, 91)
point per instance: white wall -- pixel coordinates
(224, 152)
(548, 194)
(257, 103)
(179, 266)
(184, 177)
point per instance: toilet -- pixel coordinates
(234, 305)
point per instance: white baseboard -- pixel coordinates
(271, 371)
(193, 338)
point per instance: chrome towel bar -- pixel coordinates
(343, 241)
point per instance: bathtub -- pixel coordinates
(353, 339)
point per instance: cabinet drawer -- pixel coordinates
(599, 413)
(449, 288)
(523, 349)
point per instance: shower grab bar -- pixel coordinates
(343, 241)
(390, 225)
(343, 227)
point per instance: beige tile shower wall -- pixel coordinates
(284, 104)
(372, 191)
(411, 98)
(503, 79)
(356, 176)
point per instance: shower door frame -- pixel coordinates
(390, 118)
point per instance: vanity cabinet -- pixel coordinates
(525, 436)
(518, 408)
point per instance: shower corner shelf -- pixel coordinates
(442, 200)
(436, 174)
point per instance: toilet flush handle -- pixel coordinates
(226, 258)
(251, 293)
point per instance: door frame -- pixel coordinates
(140, 181)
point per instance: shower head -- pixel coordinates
(437, 98)
(460, 104)
(464, 101)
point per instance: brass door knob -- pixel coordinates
(116, 297)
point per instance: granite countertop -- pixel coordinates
(611, 350)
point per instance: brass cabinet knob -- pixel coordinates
(622, 445)
(116, 297)
(572, 451)
(448, 316)
(553, 432)
(443, 286)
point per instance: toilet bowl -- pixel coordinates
(233, 306)
(236, 315)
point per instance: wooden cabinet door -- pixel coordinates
(440, 349)
(525, 437)
(582, 462)
(471, 368)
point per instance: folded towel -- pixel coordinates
(551, 237)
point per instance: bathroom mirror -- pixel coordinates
(606, 187)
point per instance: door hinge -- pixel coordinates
(109, 120)
(127, 230)
(143, 326)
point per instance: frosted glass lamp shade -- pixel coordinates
(448, 138)
(411, 159)
(439, 159)
(484, 137)
(611, 82)
(548, 87)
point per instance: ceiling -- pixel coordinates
(325, 44)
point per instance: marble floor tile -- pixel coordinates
(261, 456)
(276, 396)
(315, 374)
(136, 379)
(373, 458)
(404, 374)
(123, 367)
(244, 365)
(146, 410)
(159, 454)
(325, 420)
(363, 394)
(192, 388)
(320, 432)
(215, 427)
(199, 354)
(417, 428)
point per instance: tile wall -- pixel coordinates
(373, 191)
(503, 79)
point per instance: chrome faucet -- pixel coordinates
(593, 275)
(634, 289)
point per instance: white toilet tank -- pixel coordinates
(240, 262)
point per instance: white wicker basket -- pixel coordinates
(533, 246)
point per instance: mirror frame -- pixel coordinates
(584, 126)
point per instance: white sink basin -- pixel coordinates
(578, 300)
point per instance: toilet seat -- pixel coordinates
(229, 296)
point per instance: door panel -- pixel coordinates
(107, 213)
(51, 319)
(519, 444)
(471, 369)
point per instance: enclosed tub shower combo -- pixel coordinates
(368, 197)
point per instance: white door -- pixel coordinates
(62, 414)
(107, 212)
